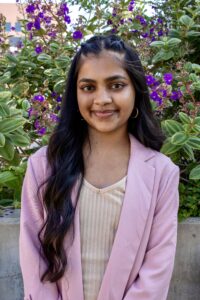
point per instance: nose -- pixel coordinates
(102, 97)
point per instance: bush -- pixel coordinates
(33, 79)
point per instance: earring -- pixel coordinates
(137, 113)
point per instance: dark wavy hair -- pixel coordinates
(64, 151)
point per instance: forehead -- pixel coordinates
(107, 62)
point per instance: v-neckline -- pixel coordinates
(104, 189)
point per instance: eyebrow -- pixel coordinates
(107, 79)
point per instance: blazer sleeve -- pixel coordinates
(153, 280)
(31, 219)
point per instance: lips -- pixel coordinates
(104, 113)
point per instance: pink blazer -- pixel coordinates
(142, 257)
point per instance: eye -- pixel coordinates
(87, 88)
(117, 86)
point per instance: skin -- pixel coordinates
(106, 105)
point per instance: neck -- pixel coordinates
(107, 142)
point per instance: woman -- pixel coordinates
(99, 203)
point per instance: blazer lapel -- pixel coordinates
(136, 204)
(135, 208)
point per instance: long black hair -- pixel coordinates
(64, 151)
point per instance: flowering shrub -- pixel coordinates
(35, 75)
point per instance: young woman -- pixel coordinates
(99, 203)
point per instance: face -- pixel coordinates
(105, 93)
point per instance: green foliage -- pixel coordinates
(32, 82)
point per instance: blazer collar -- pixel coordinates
(134, 213)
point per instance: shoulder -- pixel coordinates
(37, 162)
(158, 160)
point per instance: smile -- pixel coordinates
(104, 114)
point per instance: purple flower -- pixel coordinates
(36, 124)
(155, 97)
(132, 2)
(114, 12)
(145, 35)
(52, 33)
(30, 8)
(59, 99)
(122, 21)
(159, 20)
(109, 22)
(29, 26)
(42, 130)
(53, 94)
(41, 15)
(39, 98)
(153, 39)
(141, 19)
(58, 107)
(67, 19)
(164, 93)
(151, 30)
(29, 111)
(77, 35)
(64, 8)
(150, 80)
(168, 78)
(38, 49)
(176, 95)
(54, 117)
(37, 24)
(47, 20)
(30, 36)
(130, 7)
(160, 33)
(12, 28)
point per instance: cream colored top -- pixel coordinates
(99, 217)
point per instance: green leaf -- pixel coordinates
(25, 104)
(162, 55)
(5, 96)
(168, 148)
(185, 119)
(27, 64)
(20, 89)
(173, 42)
(2, 140)
(8, 151)
(196, 68)
(59, 86)
(54, 47)
(6, 176)
(187, 150)
(179, 138)
(197, 120)
(186, 20)
(5, 78)
(44, 58)
(4, 110)
(11, 124)
(172, 126)
(193, 33)
(158, 44)
(193, 77)
(12, 58)
(20, 140)
(62, 61)
(195, 173)
(194, 142)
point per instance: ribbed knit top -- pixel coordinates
(99, 217)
